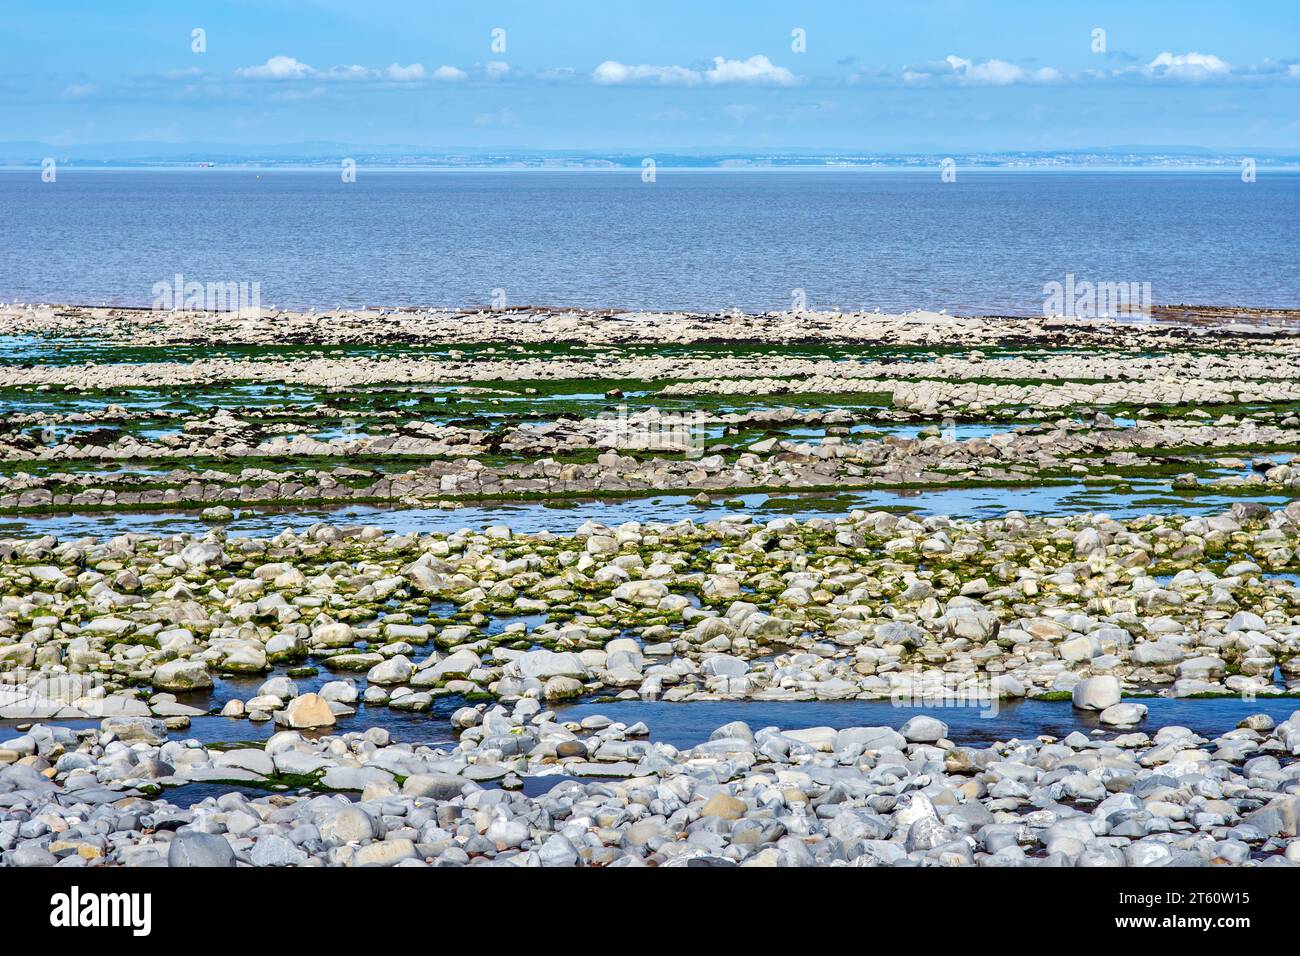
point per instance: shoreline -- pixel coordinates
(526, 324)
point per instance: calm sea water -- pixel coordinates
(691, 240)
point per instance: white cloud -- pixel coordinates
(353, 72)
(613, 73)
(1188, 66)
(991, 72)
(1166, 67)
(404, 74)
(497, 70)
(77, 91)
(288, 68)
(988, 73)
(757, 69)
(277, 68)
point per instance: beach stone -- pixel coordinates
(465, 717)
(31, 854)
(562, 688)
(1279, 817)
(480, 772)
(871, 738)
(334, 634)
(972, 622)
(1096, 693)
(196, 849)
(275, 850)
(339, 691)
(819, 738)
(722, 665)
(646, 593)
(305, 712)
(147, 730)
(557, 850)
(1157, 653)
(505, 833)
(723, 805)
(349, 825)
(200, 554)
(1123, 715)
(1246, 621)
(385, 853)
(1202, 668)
(256, 761)
(182, 675)
(543, 664)
(355, 778)
(923, 730)
(458, 665)
(436, 786)
(395, 670)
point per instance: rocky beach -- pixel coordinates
(541, 587)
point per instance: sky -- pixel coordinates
(916, 76)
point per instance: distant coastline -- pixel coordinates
(332, 169)
(216, 157)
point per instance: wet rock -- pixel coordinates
(182, 675)
(305, 712)
(1096, 693)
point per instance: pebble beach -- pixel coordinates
(562, 588)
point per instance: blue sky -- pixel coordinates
(626, 75)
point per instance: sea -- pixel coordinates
(989, 242)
